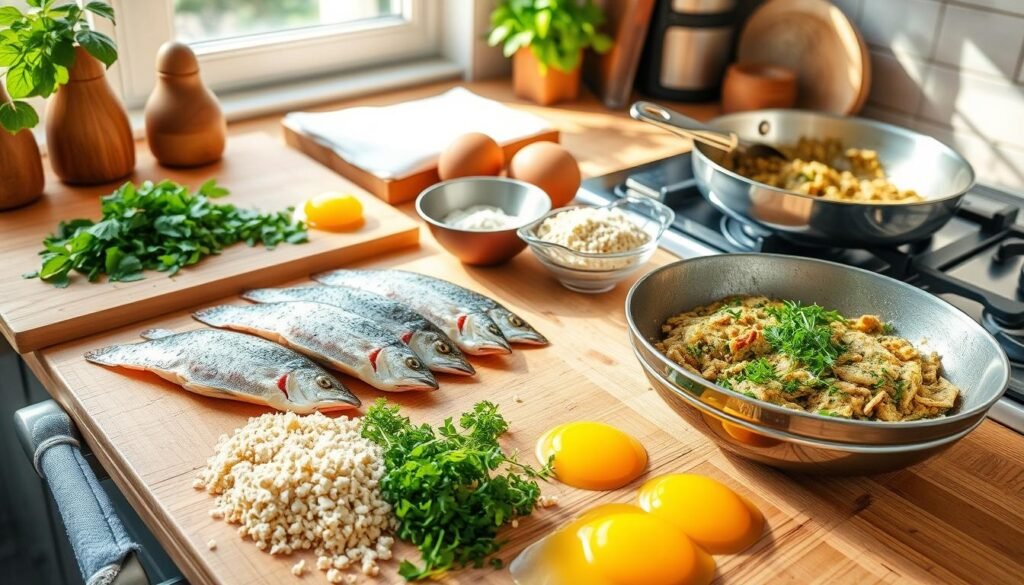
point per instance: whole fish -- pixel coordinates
(342, 340)
(436, 349)
(222, 364)
(415, 290)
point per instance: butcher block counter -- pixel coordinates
(958, 518)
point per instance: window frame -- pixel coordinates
(270, 58)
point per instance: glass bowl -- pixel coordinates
(589, 272)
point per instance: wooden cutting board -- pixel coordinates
(398, 190)
(259, 170)
(955, 519)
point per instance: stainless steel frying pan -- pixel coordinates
(911, 160)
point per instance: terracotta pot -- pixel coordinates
(751, 86)
(184, 123)
(88, 136)
(21, 169)
(545, 89)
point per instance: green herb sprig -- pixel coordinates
(802, 332)
(157, 226)
(451, 489)
(556, 31)
(38, 49)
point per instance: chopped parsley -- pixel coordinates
(897, 395)
(888, 328)
(759, 371)
(734, 313)
(695, 350)
(830, 413)
(802, 332)
(790, 386)
(749, 394)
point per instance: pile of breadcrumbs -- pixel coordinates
(304, 483)
(594, 230)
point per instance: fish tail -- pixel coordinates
(257, 295)
(104, 355)
(153, 334)
(215, 316)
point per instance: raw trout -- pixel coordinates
(222, 364)
(342, 340)
(434, 348)
(414, 289)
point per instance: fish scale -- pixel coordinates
(223, 364)
(431, 344)
(343, 340)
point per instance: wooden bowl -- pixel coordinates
(755, 86)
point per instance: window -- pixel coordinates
(248, 43)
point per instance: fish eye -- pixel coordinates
(494, 329)
(443, 347)
(324, 382)
(516, 321)
(413, 363)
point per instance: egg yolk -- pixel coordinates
(718, 519)
(643, 549)
(614, 544)
(334, 211)
(592, 455)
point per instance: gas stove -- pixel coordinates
(975, 262)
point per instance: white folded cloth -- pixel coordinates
(394, 141)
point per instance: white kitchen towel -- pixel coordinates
(393, 141)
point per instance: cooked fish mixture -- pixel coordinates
(808, 358)
(824, 168)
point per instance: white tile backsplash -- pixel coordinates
(952, 69)
(979, 41)
(896, 82)
(901, 26)
(1014, 6)
(851, 8)
(988, 106)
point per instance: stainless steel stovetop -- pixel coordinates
(976, 262)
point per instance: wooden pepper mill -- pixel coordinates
(88, 136)
(21, 169)
(184, 124)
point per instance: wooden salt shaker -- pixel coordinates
(184, 124)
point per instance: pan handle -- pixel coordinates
(684, 126)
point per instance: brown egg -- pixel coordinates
(550, 167)
(471, 155)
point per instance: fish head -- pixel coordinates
(399, 369)
(515, 328)
(478, 334)
(440, 353)
(312, 387)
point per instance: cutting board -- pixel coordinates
(956, 519)
(394, 191)
(259, 170)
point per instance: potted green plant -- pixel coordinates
(51, 50)
(546, 39)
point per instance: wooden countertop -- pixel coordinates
(958, 518)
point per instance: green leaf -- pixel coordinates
(63, 53)
(211, 190)
(9, 54)
(9, 15)
(516, 42)
(20, 81)
(101, 9)
(499, 34)
(17, 116)
(601, 43)
(34, 3)
(112, 259)
(98, 45)
(32, 274)
(542, 20)
(56, 265)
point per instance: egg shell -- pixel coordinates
(471, 155)
(550, 167)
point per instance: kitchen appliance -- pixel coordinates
(689, 44)
(975, 261)
(815, 220)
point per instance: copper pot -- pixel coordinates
(751, 86)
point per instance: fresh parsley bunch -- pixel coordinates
(451, 489)
(38, 49)
(157, 226)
